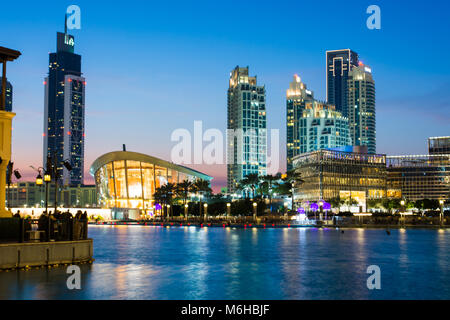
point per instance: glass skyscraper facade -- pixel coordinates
(311, 125)
(339, 63)
(351, 88)
(361, 107)
(246, 128)
(321, 127)
(9, 95)
(65, 111)
(296, 97)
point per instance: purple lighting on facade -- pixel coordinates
(314, 206)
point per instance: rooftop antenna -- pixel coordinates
(65, 23)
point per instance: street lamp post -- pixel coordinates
(39, 182)
(402, 210)
(321, 210)
(52, 171)
(200, 204)
(206, 211)
(228, 210)
(441, 202)
(255, 210)
(186, 207)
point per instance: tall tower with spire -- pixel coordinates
(64, 114)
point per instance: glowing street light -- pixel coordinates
(39, 180)
(47, 177)
(205, 206)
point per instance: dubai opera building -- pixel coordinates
(128, 179)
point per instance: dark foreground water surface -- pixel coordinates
(136, 262)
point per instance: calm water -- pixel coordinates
(134, 262)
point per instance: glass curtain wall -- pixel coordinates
(131, 184)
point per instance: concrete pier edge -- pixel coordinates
(42, 254)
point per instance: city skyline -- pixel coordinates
(148, 84)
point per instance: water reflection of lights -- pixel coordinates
(302, 219)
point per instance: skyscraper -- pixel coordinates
(247, 128)
(9, 95)
(65, 110)
(311, 125)
(339, 63)
(322, 127)
(361, 107)
(296, 97)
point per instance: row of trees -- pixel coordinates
(395, 204)
(259, 187)
(253, 187)
(388, 204)
(171, 192)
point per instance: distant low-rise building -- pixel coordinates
(439, 145)
(420, 176)
(31, 195)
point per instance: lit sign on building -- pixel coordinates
(69, 40)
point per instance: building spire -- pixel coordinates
(65, 23)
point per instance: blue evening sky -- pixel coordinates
(155, 66)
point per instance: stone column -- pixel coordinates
(5, 155)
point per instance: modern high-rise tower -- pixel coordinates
(361, 107)
(296, 97)
(9, 95)
(247, 128)
(65, 110)
(311, 125)
(339, 63)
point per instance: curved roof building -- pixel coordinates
(129, 179)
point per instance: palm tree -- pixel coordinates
(269, 181)
(202, 187)
(183, 189)
(252, 180)
(243, 186)
(290, 181)
(164, 194)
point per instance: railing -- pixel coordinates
(22, 230)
